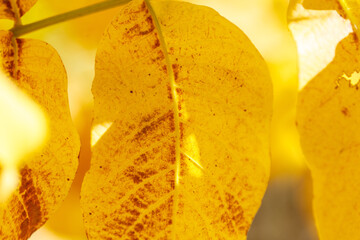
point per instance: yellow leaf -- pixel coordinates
(181, 127)
(46, 177)
(13, 9)
(328, 116)
(22, 123)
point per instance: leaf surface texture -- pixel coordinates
(328, 114)
(36, 68)
(13, 9)
(181, 127)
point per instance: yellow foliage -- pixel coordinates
(182, 115)
(46, 177)
(14, 9)
(328, 114)
(22, 123)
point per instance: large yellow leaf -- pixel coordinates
(328, 114)
(181, 127)
(46, 178)
(14, 9)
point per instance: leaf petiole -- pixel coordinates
(24, 29)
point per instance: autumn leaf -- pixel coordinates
(13, 9)
(327, 114)
(15, 106)
(181, 127)
(37, 69)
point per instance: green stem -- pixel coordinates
(24, 29)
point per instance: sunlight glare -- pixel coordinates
(98, 131)
(192, 153)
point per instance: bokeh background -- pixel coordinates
(286, 210)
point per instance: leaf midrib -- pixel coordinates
(171, 78)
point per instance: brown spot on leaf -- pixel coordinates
(139, 176)
(31, 202)
(160, 56)
(142, 159)
(170, 96)
(21, 11)
(7, 54)
(175, 68)
(345, 111)
(138, 203)
(145, 131)
(8, 9)
(139, 227)
(156, 44)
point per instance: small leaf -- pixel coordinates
(181, 127)
(37, 69)
(11, 9)
(328, 116)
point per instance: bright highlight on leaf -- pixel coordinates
(46, 177)
(163, 171)
(352, 10)
(328, 115)
(317, 33)
(22, 123)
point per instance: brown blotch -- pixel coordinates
(138, 203)
(141, 160)
(8, 9)
(7, 54)
(181, 127)
(154, 125)
(170, 96)
(138, 176)
(172, 122)
(132, 236)
(29, 194)
(139, 227)
(20, 44)
(138, 30)
(172, 155)
(133, 31)
(24, 229)
(179, 91)
(151, 25)
(226, 220)
(345, 111)
(147, 118)
(235, 209)
(175, 68)
(159, 57)
(143, 6)
(21, 11)
(156, 44)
